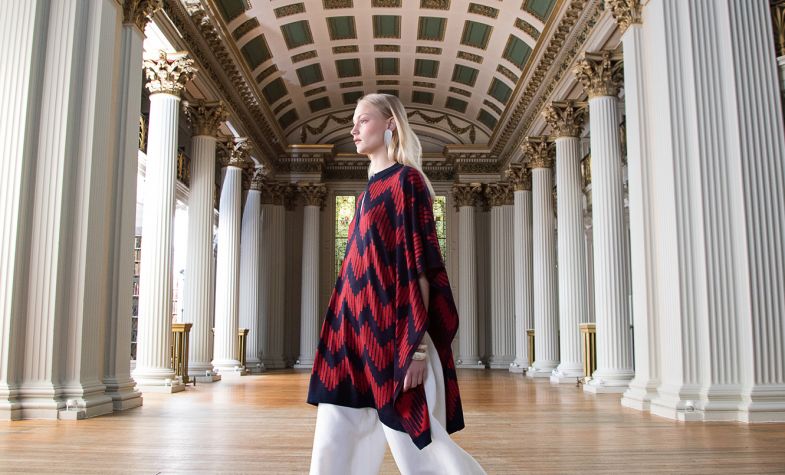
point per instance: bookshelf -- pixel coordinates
(135, 295)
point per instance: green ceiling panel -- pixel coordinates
(539, 8)
(310, 74)
(422, 97)
(319, 104)
(296, 34)
(431, 28)
(289, 118)
(426, 68)
(230, 9)
(517, 52)
(500, 91)
(352, 97)
(347, 68)
(386, 66)
(487, 119)
(386, 26)
(274, 91)
(256, 51)
(476, 34)
(341, 28)
(464, 75)
(456, 104)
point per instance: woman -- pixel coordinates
(384, 368)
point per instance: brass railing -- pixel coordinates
(242, 337)
(184, 168)
(142, 134)
(530, 339)
(589, 348)
(180, 334)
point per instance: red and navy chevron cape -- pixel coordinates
(376, 317)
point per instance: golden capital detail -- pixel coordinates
(139, 12)
(778, 22)
(234, 152)
(499, 194)
(626, 12)
(169, 73)
(565, 118)
(314, 193)
(538, 152)
(274, 193)
(260, 174)
(205, 117)
(600, 73)
(519, 176)
(466, 194)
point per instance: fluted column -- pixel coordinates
(539, 159)
(227, 272)
(500, 197)
(250, 247)
(314, 194)
(166, 79)
(273, 272)
(520, 177)
(198, 305)
(465, 197)
(566, 122)
(600, 76)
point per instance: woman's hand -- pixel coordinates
(415, 375)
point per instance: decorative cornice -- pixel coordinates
(301, 163)
(626, 12)
(565, 118)
(538, 152)
(169, 73)
(313, 193)
(139, 12)
(600, 73)
(499, 194)
(206, 45)
(519, 176)
(554, 62)
(205, 117)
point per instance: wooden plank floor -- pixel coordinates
(260, 424)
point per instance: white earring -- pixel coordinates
(387, 137)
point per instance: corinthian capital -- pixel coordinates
(169, 73)
(600, 73)
(233, 152)
(499, 194)
(565, 118)
(778, 21)
(314, 193)
(139, 12)
(205, 117)
(260, 175)
(466, 194)
(626, 12)
(538, 152)
(520, 177)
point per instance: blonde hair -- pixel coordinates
(405, 147)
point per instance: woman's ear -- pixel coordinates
(391, 125)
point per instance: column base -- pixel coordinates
(299, 365)
(274, 363)
(123, 393)
(10, 408)
(78, 408)
(469, 362)
(255, 367)
(567, 374)
(206, 378)
(227, 366)
(304, 362)
(500, 363)
(764, 404)
(600, 386)
(541, 370)
(518, 368)
(639, 396)
(174, 387)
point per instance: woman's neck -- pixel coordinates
(380, 160)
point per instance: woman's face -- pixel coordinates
(369, 127)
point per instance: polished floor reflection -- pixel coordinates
(261, 424)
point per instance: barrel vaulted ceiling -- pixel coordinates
(463, 69)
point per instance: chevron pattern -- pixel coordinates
(376, 317)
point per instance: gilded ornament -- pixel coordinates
(527, 28)
(507, 73)
(233, 152)
(778, 21)
(466, 194)
(565, 118)
(600, 73)
(520, 177)
(313, 193)
(139, 12)
(435, 4)
(483, 10)
(499, 194)
(626, 12)
(205, 117)
(386, 3)
(169, 73)
(289, 10)
(470, 57)
(247, 26)
(260, 174)
(538, 152)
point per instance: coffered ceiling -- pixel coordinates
(455, 64)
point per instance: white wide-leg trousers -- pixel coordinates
(352, 441)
